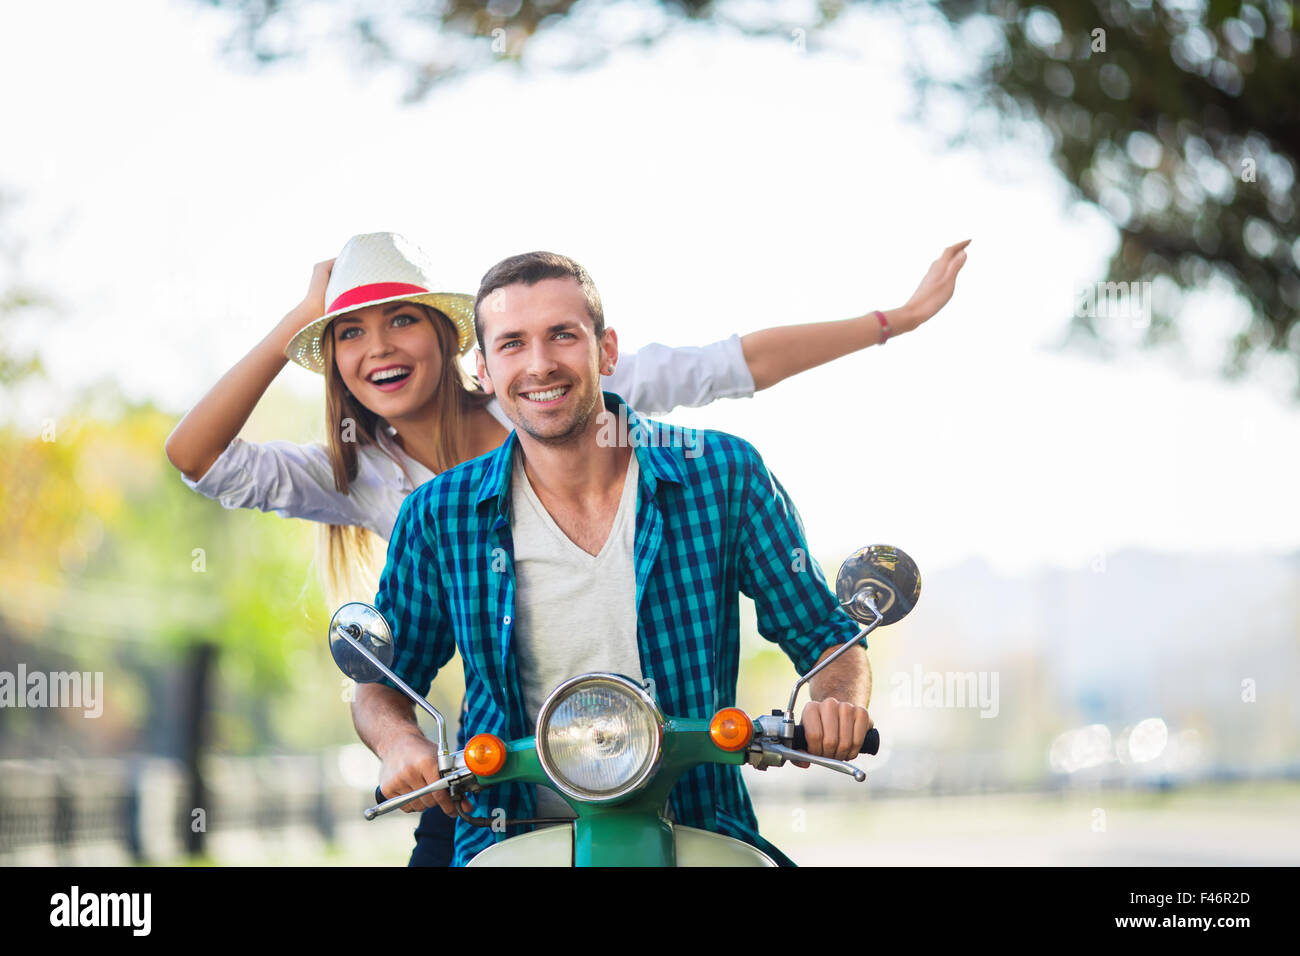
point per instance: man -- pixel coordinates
(574, 547)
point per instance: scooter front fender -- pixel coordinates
(553, 846)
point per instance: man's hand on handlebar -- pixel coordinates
(409, 764)
(834, 728)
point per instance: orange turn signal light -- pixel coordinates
(731, 729)
(485, 755)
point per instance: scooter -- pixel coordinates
(606, 748)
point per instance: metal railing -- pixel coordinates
(135, 810)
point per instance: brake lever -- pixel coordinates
(789, 753)
(442, 783)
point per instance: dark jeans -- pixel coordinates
(434, 839)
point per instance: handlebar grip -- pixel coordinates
(871, 745)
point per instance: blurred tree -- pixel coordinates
(116, 567)
(109, 549)
(1178, 118)
(18, 299)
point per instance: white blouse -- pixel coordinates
(297, 481)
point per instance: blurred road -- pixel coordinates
(1236, 825)
(1252, 824)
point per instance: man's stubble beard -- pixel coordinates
(578, 424)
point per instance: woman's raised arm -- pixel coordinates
(777, 353)
(215, 421)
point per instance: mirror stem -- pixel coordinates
(864, 598)
(349, 632)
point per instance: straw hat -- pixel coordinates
(372, 269)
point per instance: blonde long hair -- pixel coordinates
(350, 557)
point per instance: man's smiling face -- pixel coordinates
(540, 356)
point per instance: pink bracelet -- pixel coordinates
(884, 326)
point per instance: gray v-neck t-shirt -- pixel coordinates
(574, 612)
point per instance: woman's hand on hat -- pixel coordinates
(934, 291)
(312, 307)
(314, 302)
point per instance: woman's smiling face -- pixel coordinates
(389, 357)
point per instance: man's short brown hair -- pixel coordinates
(531, 268)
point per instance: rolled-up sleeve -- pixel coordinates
(658, 378)
(795, 606)
(293, 481)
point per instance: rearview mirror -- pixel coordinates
(367, 626)
(885, 576)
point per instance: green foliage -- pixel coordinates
(110, 551)
(17, 301)
(1178, 120)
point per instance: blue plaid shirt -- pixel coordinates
(711, 521)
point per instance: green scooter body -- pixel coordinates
(630, 830)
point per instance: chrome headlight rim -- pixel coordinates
(634, 690)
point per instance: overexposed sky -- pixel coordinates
(711, 185)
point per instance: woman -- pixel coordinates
(417, 412)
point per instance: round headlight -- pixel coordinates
(599, 737)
